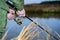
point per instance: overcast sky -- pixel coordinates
(34, 1)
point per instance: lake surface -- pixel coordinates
(51, 21)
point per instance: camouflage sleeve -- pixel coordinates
(19, 4)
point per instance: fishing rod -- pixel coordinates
(10, 3)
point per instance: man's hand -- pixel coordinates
(11, 15)
(21, 13)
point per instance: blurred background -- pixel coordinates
(47, 12)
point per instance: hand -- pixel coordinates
(21, 13)
(11, 15)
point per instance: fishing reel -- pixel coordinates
(18, 20)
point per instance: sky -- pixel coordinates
(35, 1)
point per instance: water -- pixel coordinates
(52, 22)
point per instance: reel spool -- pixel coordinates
(18, 20)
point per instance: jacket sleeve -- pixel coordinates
(19, 4)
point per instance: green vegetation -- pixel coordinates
(45, 9)
(50, 7)
(45, 15)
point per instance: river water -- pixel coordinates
(52, 21)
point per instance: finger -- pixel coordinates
(11, 11)
(10, 16)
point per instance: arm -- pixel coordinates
(19, 4)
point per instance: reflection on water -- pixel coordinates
(44, 15)
(47, 20)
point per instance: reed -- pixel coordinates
(30, 32)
